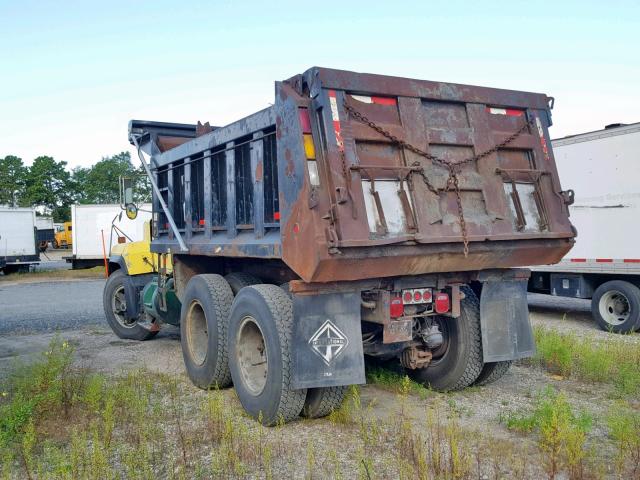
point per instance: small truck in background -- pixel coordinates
(95, 229)
(604, 168)
(63, 237)
(18, 245)
(358, 215)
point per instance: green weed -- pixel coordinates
(607, 361)
(561, 433)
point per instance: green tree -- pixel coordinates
(12, 180)
(101, 182)
(48, 184)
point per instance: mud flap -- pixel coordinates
(133, 285)
(327, 342)
(504, 319)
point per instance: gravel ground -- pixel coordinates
(76, 308)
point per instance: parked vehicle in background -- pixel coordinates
(604, 265)
(18, 246)
(64, 236)
(93, 223)
(45, 233)
(359, 215)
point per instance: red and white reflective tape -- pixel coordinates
(604, 260)
(511, 112)
(543, 141)
(375, 100)
(336, 119)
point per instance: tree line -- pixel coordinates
(49, 184)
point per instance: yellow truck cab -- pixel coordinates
(62, 238)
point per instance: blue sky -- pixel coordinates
(72, 74)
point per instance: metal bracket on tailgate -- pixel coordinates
(327, 340)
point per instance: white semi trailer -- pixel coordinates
(93, 223)
(18, 248)
(604, 265)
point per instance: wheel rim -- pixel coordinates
(441, 352)
(197, 333)
(614, 307)
(251, 355)
(119, 307)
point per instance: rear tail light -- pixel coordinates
(309, 147)
(442, 304)
(416, 295)
(396, 307)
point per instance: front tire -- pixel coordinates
(115, 307)
(615, 306)
(204, 320)
(458, 362)
(260, 353)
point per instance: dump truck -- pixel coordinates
(604, 265)
(18, 245)
(359, 215)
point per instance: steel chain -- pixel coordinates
(453, 182)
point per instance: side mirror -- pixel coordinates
(132, 211)
(126, 197)
(127, 190)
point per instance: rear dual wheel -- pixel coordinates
(458, 363)
(260, 351)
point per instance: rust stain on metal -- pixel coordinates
(259, 172)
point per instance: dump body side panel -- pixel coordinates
(308, 182)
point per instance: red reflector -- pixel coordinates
(426, 296)
(578, 260)
(396, 308)
(383, 100)
(408, 297)
(276, 216)
(442, 302)
(201, 222)
(417, 295)
(305, 121)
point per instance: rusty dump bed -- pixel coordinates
(351, 176)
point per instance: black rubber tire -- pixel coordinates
(320, 402)
(461, 363)
(492, 371)
(135, 331)
(632, 293)
(272, 310)
(213, 296)
(238, 280)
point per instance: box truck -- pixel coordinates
(18, 245)
(91, 225)
(603, 167)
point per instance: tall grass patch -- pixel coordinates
(609, 361)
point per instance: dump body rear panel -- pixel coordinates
(308, 182)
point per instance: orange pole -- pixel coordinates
(104, 254)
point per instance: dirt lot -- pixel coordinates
(491, 449)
